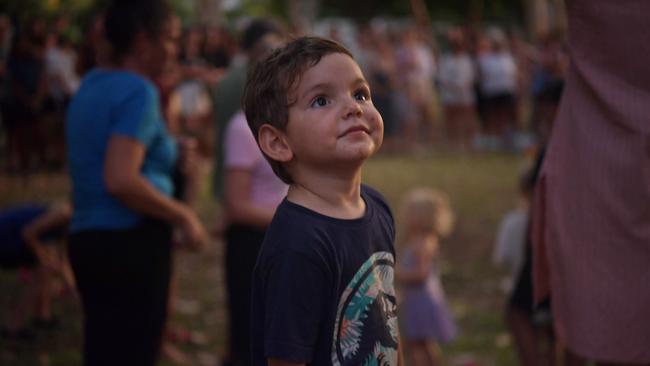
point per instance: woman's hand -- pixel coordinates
(192, 230)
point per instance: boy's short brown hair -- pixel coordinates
(269, 85)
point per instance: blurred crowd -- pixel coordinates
(457, 88)
(463, 88)
(146, 105)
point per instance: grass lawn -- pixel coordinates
(481, 187)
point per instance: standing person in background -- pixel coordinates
(416, 106)
(218, 47)
(405, 107)
(121, 161)
(426, 318)
(591, 219)
(190, 104)
(26, 97)
(92, 49)
(229, 90)
(498, 86)
(63, 82)
(252, 192)
(530, 325)
(456, 79)
(381, 76)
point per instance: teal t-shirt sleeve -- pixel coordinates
(137, 115)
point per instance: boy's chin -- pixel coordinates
(360, 154)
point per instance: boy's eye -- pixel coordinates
(319, 102)
(361, 95)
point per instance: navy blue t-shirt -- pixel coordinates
(323, 289)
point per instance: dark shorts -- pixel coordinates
(503, 100)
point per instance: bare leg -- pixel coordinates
(418, 353)
(433, 355)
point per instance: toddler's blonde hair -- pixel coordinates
(427, 211)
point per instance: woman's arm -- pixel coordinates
(124, 157)
(240, 208)
(57, 217)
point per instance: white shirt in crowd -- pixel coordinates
(60, 64)
(498, 73)
(456, 76)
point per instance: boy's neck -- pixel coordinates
(333, 196)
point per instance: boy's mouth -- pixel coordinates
(358, 128)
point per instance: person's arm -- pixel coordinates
(124, 158)
(57, 217)
(240, 208)
(276, 362)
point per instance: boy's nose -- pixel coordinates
(353, 109)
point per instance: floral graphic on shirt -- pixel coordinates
(366, 331)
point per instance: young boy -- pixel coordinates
(323, 285)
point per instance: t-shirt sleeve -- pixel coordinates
(137, 115)
(295, 288)
(241, 150)
(382, 204)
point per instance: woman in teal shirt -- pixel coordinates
(121, 161)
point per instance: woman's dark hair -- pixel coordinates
(123, 19)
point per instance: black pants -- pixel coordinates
(123, 279)
(242, 247)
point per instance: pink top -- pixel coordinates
(591, 227)
(241, 152)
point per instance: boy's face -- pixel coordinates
(332, 121)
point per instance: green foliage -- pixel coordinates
(24, 8)
(261, 8)
(45, 8)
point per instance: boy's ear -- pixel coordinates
(274, 144)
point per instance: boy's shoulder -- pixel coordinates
(374, 197)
